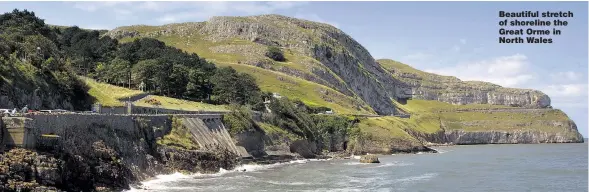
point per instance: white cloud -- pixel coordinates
(416, 57)
(507, 71)
(180, 11)
(463, 41)
(95, 27)
(566, 90)
(316, 18)
(568, 75)
(94, 6)
(456, 48)
(205, 10)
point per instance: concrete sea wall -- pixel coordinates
(47, 131)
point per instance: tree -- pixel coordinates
(275, 54)
(233, 87)
(120, 71)
(145, 71)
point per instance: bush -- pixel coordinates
(239, 120)
(275, 54)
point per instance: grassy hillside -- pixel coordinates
(107, 94)
(440, 83)
(111, 95)
(270, 77)
(179, 104)
(297, 78)
(479, 117)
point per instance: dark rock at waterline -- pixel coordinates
(369, 159)
(198, 161)
(304, 148)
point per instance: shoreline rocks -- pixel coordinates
(369, 159)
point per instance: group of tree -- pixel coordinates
(142, 63)
(32, 64)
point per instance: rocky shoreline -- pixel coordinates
(27, 170)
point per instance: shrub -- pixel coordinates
(275, 54)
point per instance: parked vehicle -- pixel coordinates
(5, 112)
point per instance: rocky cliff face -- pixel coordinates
(324, 54)
(422, 85)
(97, 152)
(537, 131)
(566, 132)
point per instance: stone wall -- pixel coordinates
(44, 131)
(15, 132)
(150, 110)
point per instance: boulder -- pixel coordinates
(369, 159)
(304, 148)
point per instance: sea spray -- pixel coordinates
(160, 180)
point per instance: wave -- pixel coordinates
(397, 164)
(160, 180)
(426, 176)
(287, 183)
(356, 163)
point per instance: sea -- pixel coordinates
(472, 168)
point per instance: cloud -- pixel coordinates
(567, 76)
(456, 48)
(463, 41)
(96, 27)
(416, 57)
(316, 18)
(205, 10)
(507, 71)
(94, 6)
(184, 11)
(566, 90)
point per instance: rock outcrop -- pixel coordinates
(326, 55)
(332, 51)
(369, 159)
(94, 152)
(422, 85)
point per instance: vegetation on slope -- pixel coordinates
(178, 104)
(179, 137)
(107, 94)
(149, 65)
(410, 75)
(33, 70)
(483, 117)
(272, 76)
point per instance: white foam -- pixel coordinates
(426, 176)
(160, 180)
(396, 164)
(356, 163)
(288, 183)
(442, 151)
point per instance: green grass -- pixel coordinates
(109, 95)
(386, 129)
(179, 137)
(106, 94)
(292, 87)
(306, 91)
(279, 132)
(179, 104)
(427, 115)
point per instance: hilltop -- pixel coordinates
(324, 66)
(237, 66)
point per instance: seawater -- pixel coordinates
(524, 167)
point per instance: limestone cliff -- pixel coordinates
(422, 85)
(100, 152)
(316, 52)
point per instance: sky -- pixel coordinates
(461, 39)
